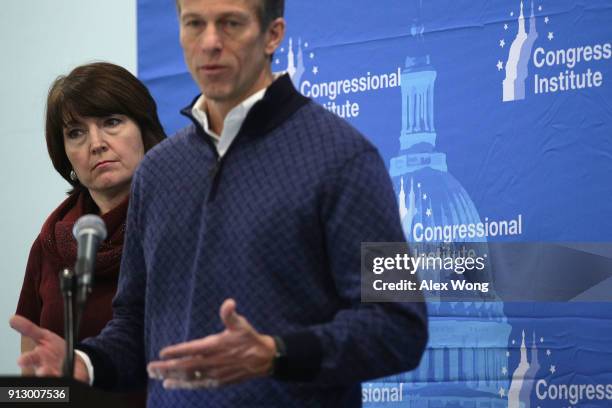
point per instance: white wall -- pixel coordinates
(39, 40)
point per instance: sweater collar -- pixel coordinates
(280, 100)
(232, 122)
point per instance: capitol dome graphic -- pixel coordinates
(466, 361)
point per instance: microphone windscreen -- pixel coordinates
(89, 224)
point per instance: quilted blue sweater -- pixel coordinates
(277, 225)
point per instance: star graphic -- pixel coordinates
(315, 70)
(500, 65)
(502, 392)
(552, 369)
(550, 36)
(541, 339)
(504, 370)
(502, 43)
(419, 185)
(311, 55)
(505, 26)
(507, 354)
(546, 20)
(425, 196)
(428, 212)
(513, 342)
(548, 353)
(512, 14)
(306, 45)
(283, 49)
(539, 8)
(277, 61)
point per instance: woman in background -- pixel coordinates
(100, 121)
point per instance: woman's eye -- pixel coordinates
(112, 122)
(74, 133)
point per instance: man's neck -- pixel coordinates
(217, 110)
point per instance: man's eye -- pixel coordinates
(231, 24)
(193, 23)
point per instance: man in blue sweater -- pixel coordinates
(259, 206)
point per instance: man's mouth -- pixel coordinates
(212, 68)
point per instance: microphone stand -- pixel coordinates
(75, 290)
(67, 285)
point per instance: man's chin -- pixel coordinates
(217, 95)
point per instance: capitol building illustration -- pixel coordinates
(518, 58)
(466, 361)
(523, 378)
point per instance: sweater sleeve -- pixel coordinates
(30, 303)
(117, 353)
(364, 340)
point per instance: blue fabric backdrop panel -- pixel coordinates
(486, 112)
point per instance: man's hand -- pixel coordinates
(47, 357)
(237, 354)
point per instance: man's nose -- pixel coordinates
(97, 139)
(210, 40)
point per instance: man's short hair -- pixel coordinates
(268, 10)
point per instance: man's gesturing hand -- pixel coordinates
(237, 354)
(48, 356)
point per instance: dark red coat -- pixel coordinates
(54, 249)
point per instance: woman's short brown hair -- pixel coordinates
(99, 89)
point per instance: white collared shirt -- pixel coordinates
(232, 122)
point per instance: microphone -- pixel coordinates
(89, 231)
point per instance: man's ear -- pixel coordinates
(274, 35)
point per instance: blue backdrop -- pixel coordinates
(486, 112)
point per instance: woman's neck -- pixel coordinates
(108, 200)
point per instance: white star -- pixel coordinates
(500, 65)
(505, 26)
(513, 342)
(502, 392)
(428, 212)
(311, 55)
(419, 185)
(546, 20)
(507, 354)
(315, 70)
(512, 14)
(425, 196)
(502, 43)
(550, 36)
(283, 49)
(548, 353)
(306, 45)
(539, 8)
(504, 370)
(277, 61)
(552, 369)
(541, 339)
